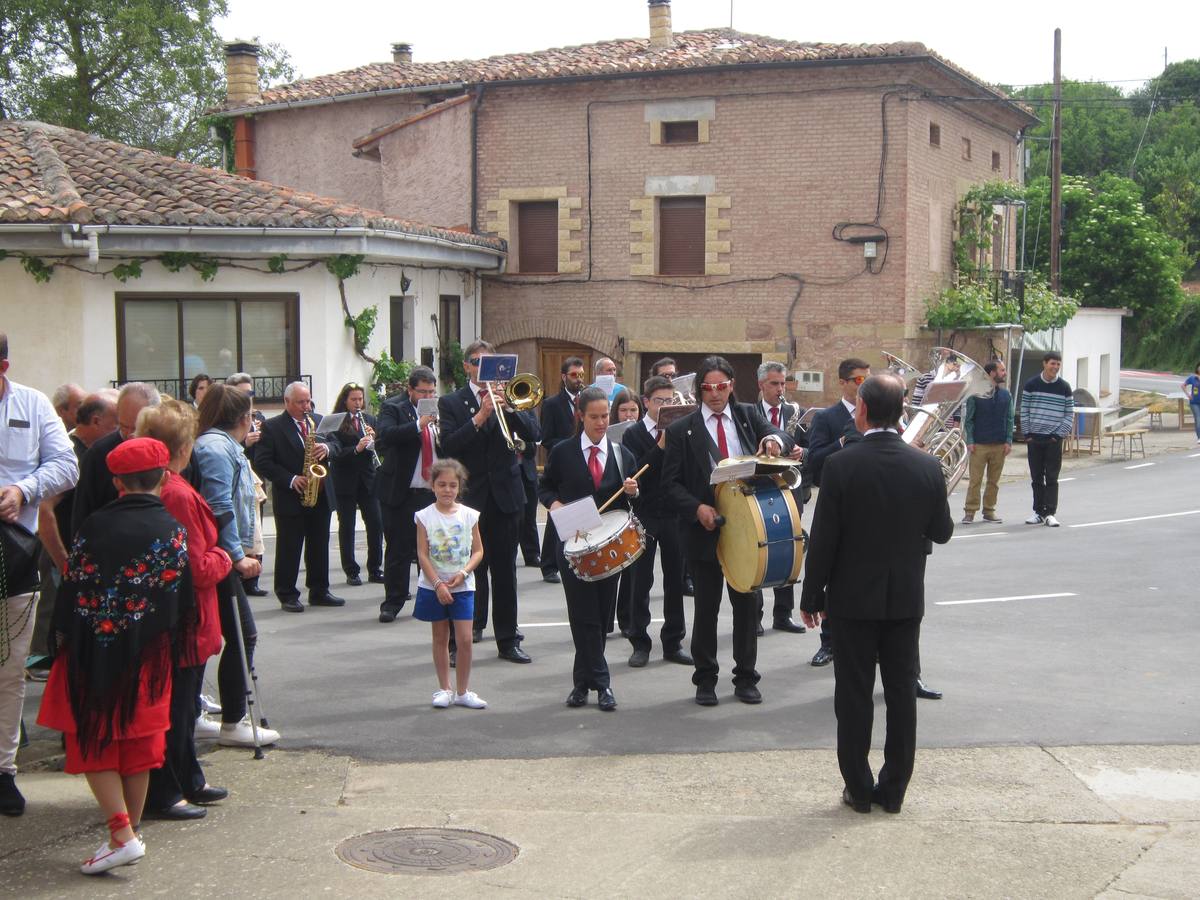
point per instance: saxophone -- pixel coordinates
(311, 469)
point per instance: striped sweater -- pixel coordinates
(1047, 407)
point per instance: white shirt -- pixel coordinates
(732, 442)
(651, 426)
(849, 406)
(417, 481)
(878, 430)
(35, 452)
(767, 407)
(586, 445)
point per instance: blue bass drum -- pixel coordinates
(761, 544)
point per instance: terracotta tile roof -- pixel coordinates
(50, 174)
(689, 50)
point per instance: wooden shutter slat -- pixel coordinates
(681, 236)
(537, 242)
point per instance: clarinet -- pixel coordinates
(369, 432)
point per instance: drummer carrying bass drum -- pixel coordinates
(720, 428)
(589, 465)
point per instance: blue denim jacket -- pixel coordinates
(228, 486)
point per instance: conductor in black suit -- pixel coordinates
(408, 443)
(595, 467)
(279, 460)
(833, 428)
(718, 429)
(881, 503)
(558, 424)
(471, 434)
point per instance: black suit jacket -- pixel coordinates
(880, 504)
(558, 420)
(566, 477)
(688, 463)
(646, 452)
(95, 486)
(828, 427)
(398, 441)
(347, 468)
(494, 470)
(279, 457)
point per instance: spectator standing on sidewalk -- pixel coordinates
(988, 431)
(1047, 412)
(1191, 390)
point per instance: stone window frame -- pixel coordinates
(700, 110)
(502, 208)
(643, 224)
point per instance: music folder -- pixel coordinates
(427, 406)
(497, 367)
(331, 423)
(578, 517)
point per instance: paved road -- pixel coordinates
(1162, 382)
(1104, 652)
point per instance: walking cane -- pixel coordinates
(236, 593)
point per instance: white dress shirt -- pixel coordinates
(651, 426)
(586, 445)
(767, 407)
(35, 452)
(732, 443)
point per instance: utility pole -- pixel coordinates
(1056, 169)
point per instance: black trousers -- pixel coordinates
(347, 504)
(231, 679)
(307, 533)
(1045, 462)
(588, 609)
(618, 614)
(529, 535)
(180, 775)
(400, 529)
(710, 582)
(785, 603)
(549, 547)
(857, 643)
(660, 534)
(500, 532)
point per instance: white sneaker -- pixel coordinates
(441, 699)
(241, 734)
(1035, 519)
(471, 700)
(209, 705)
(1051, 521)
(207, 728)
(107, 858)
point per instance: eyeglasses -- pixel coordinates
(710, 386)
(473, 361)
(352, 386)
(857, 379)
(658, 401)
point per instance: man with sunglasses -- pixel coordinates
(470, 433)
(832, 428)
(720, 428)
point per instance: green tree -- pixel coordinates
(1114, 253)
(1099, 131)
(138, 71)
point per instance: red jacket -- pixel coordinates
(209, 563)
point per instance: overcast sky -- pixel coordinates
(1007, 42)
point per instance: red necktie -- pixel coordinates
(304, 428)
(775, 416)
(426, 453)
(594, 467)
(722, 446)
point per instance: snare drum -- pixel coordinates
(606, 550)
(761, 544)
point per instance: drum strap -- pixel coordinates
(616, 452)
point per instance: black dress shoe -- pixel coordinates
(515, 654)
(678, 656)
(12, 802)
(253, 590)
(689, 589)
(519, 635)
(856, 805)
(789, 624)
(292, 605)
(375, 578)
(639, 658)
(181, 812)
(208, 794)
(388, 612)
(577, 698)
(758, 629)
(476, 635)
(878, 800)
(747, 693)
(823, 656)
(353, 581)
(325, 600)
(926, 693)
(551, 577)
(706, 695)
(607, 701)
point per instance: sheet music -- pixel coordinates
(427, 406)
(577, 517)
(331, 423)
(616, 432)
(733, 470)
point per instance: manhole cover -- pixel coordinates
(426, 851)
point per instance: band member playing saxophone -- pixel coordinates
(353, 472)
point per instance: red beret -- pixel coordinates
(138, 455)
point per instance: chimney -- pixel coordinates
(241, 72)
(402, 53)
(660, 23)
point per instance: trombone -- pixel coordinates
(522, 393)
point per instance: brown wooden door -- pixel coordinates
(550, 359)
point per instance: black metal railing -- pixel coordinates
(267, 388)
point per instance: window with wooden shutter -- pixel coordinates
(537, 237)
(680, 132)
(681, 236)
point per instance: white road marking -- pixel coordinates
(1193, 455)
(1002, 599)
(1139, 466)
(960, 537)
(564, 624)
(1064, 480)
(1190, 512)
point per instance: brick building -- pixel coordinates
(689, 193)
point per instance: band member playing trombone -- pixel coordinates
(353, 472)
(718, 429)
(409, 442)
(576, 469)
(472, 434)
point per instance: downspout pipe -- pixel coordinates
(90, 242)
(475, 104)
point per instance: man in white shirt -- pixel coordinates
(36, 462)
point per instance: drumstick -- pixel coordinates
(613, 499)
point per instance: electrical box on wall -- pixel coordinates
(869, 250)
(810, 381)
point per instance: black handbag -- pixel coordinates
(19, 550)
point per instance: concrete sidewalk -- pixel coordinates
(1058, 822)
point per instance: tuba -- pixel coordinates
(929, 428)
(522, 393)
(311, 469)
